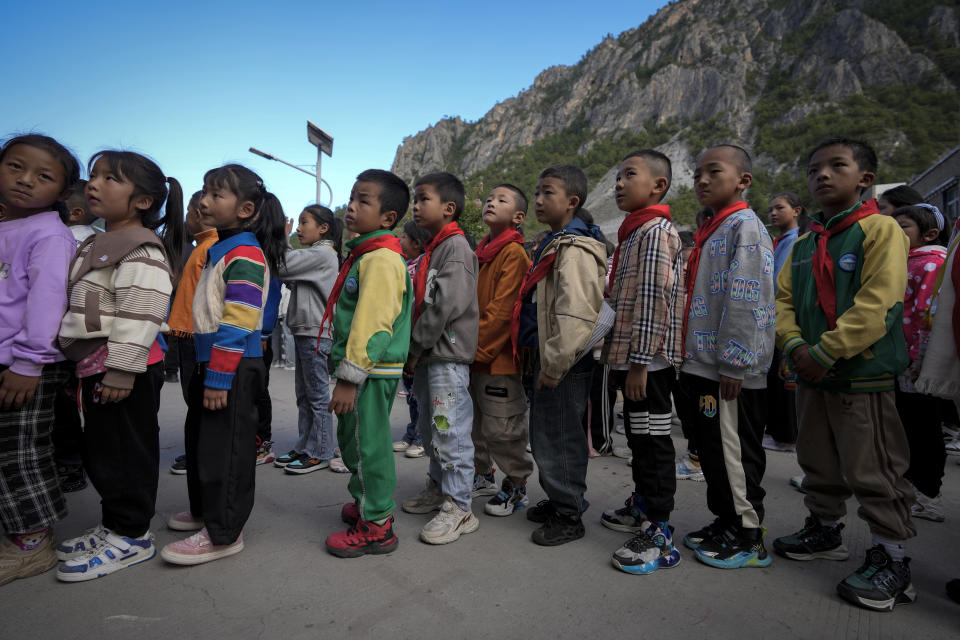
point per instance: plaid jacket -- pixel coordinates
(647, 294)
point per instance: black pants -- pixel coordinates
(67, 433)
(781, 405)
(187, 360)
(264, 404)
(222, 451)
(728, 436)
(921, 417)
(687, 412)
(600, 415)
(647, 424)
(121, 451)
(171, 359)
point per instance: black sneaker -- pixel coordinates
(558, 529)
(695, 538)
(627, 518)
(814, 540)
(953, 590)
(734, 548)
(880, 583)
(541, 512)
(171, 376)
(179, 466)
(72, 477)
(285, 459)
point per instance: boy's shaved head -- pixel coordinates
(736, 155)
(658, 164)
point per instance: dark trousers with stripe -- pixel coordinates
(728, 436)
(222, 452)
(647, 424)
(121, 451)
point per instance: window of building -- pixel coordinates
(951, 202)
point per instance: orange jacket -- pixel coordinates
(498, 285)
(181, 312)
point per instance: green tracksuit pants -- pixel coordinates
(367, 448)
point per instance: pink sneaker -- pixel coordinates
(184, 521)
(198, 549)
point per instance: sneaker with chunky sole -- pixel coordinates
(350, 513)
(16, 563)
(695, 538)
(448, 525)
(265, 453)
(285, 459)
(687, 469)
(649, 550)
(115, 552)
(881, 583)
(82, 544)
(484, 485)
(541, 512)
(814, 541)
(415, 451)
(735, 548)
(627, 518)
(400, 446)
(508, 500)
(558, 529)
(927, 508)
(305, 464)
(363, 538)
(430, 499)
(198, 549)
(179, 465)
(184, 521)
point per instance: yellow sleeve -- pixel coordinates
(788, 330)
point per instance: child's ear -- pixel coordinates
(449, 208)
(76, 214)
(573, 202)
(746, 179)
(388, 219)
(660, 187)
(518, 218)
(143, 202)
(323, 228)
(866, 179)
(246, 210)
(931, 235)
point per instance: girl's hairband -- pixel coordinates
(936, 213)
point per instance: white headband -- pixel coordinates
(936, 213)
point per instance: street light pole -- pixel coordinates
(268, 156)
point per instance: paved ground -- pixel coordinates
(494, 582)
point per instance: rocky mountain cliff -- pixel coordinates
(772, 75)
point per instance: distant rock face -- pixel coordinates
(695, 60)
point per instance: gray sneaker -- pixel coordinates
(484, 485)
(430, 499)
(448, 525)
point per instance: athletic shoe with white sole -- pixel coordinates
(115, 552)
(814, 541)
(82, 544)
(448, 525)
(198, 549)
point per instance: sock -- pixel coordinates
(896, 550)
(29, 541)
(381, 521)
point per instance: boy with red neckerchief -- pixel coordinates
(840, 311)
(499, 404)
(371, 332)
(443, 344)
(644, 352)
(728, 344)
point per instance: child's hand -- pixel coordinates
(730, 388)
(344, 398)
(806, 367)
(411, 365)
(112, 394)
(635, 387)
(543, 380)
(289, 226)
(214, 399)
(16, 390)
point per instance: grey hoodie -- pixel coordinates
(449, 321)
(309, 274)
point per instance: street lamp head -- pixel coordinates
(262, 154)
(320, 138)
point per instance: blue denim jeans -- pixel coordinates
(312, 380)
(557, 438)
(445, 424)
(412, 435)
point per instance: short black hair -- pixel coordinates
(902, 196)
(743, 160)
(658, 163)
(78, 197)
(573, 178)
(519, 196)
(448, 187)
(194, 201)
(686, 239)
(921, 215)
(863, 153)
(394, 193)
(417, 233)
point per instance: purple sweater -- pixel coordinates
(35, 253)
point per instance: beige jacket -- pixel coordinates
(569, 301)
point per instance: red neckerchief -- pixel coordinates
(823, 271)
(776, 240)
(383, 240)
(634, 221)
(487, 250)
(420, 278)
(699, 238)
(955, 277)
(535, 274)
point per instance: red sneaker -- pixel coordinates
(362, 538)
(350, 513)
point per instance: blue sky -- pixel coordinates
(193, 85)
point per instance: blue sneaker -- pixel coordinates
(508, 500)
(112, 554)
(628, 518)
(649, 550)
(82, 545)
(735, 548)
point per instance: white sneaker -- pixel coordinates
(484, 485)
(414, 451)
(113, 554)
(953, 447)
(400, 446)
(430, 499)
(81, 545)
(448, 525)
(797, 482)
(927, 508)
(623, 452)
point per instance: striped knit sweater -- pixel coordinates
(118, 294)
(228, 307)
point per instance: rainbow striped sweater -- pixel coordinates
(228, 306)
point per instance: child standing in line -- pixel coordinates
(644, 352)
(443, 343)
(119, 295)
(79, 219)
(557, 321)
(222, 418)
(840, 315)
(310, 274)
(688, 467)
(412, 241)
(500, 420)
(728, 344)
(918, 411)
(373, 298)
(36, 176)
